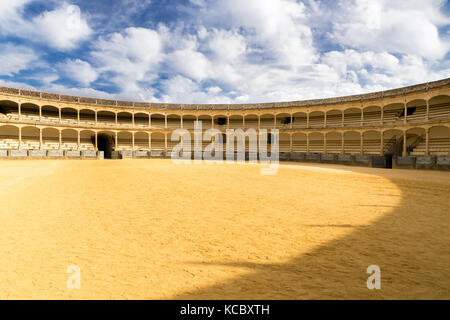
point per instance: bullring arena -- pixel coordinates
(143, 227)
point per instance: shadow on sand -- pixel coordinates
(411, 245)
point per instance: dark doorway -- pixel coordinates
(105, 144)
(388, 161)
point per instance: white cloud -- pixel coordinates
(78, 70)
(15, 58)
(62, 28)
(401, 26)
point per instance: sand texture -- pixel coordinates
(150, 229)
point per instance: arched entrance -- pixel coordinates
(105, 143)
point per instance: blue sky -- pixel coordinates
(222, 51)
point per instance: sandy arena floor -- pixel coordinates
(149, 229)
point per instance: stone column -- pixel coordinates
(292, 121)
(382, 115)
(150, 141)
(40, 139)
(428, 110)
(60, 139)
(59, 114)
(20, 138)
(116, 137)
(362, 118)
(78, 140)
(96, 137)
(404, 144)
(307, 143)
(325, 143)
(290, 144)
(95, 113)
(382, 144)
(19, 110)
(78, 117)
(132, 119)
(406, 113)
(324, 119)
(132, 141)
(165, 121)
(274, 121)
(427, 142)
(259, 123)
(307, 120)
(115, 119)
(165, 142)
(343, 143)
(362, 143)
(40, 113)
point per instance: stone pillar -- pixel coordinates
(78, 140)
(96, 136)
(95, 113)
(428, 110)
(382, 144)
(212, 122)
(324, 119)
(427, 142)
(165, 142)
(40, 139)
(307, 120)
(274, 121)
(40, 113)
(343, 119)
(362, 143)
(362, 118)
(165, 121)
(243, 122)
(259, 123)
(132, 141)
(404, 144)
(150, 141)
(59, 114)
(343, 143)
(307, 143)
(292, 121)
(60, 140)
(19, 110)
(325, 144)
(20, 138)
(132, 119)
(182, 121)
(116, 137)
(290, 144)
(78, 117)
(382, 115)
(115, 119)
(406, 113)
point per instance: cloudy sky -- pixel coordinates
(222, 51)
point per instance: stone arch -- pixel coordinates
(50, 138)
(158, 120)
(173, 121)
(251, 121)
(334, 118)
(283, 120)
(158, 141)
(69, 115)
(69, 139)
(106, 143)
(267, 121)
(393, 112)
(334, 142)
(352, 142)
(124, 118)
(87, 140)
(393, 142)
(371, 142)
(50, 113)
(30, 138)
(439, 140)
(87, 116)
(124, 141)
(300, 120)
(141, 119)
(236, 122)
(299, 142)
(107, 118)
(284, 142)
(316, 119)
(372, 116)
(417, 110)
(316, 142)
(440, 107)
(9, 109)
(30, 111)
(141, 141)
(352, 117)
(9, 137)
